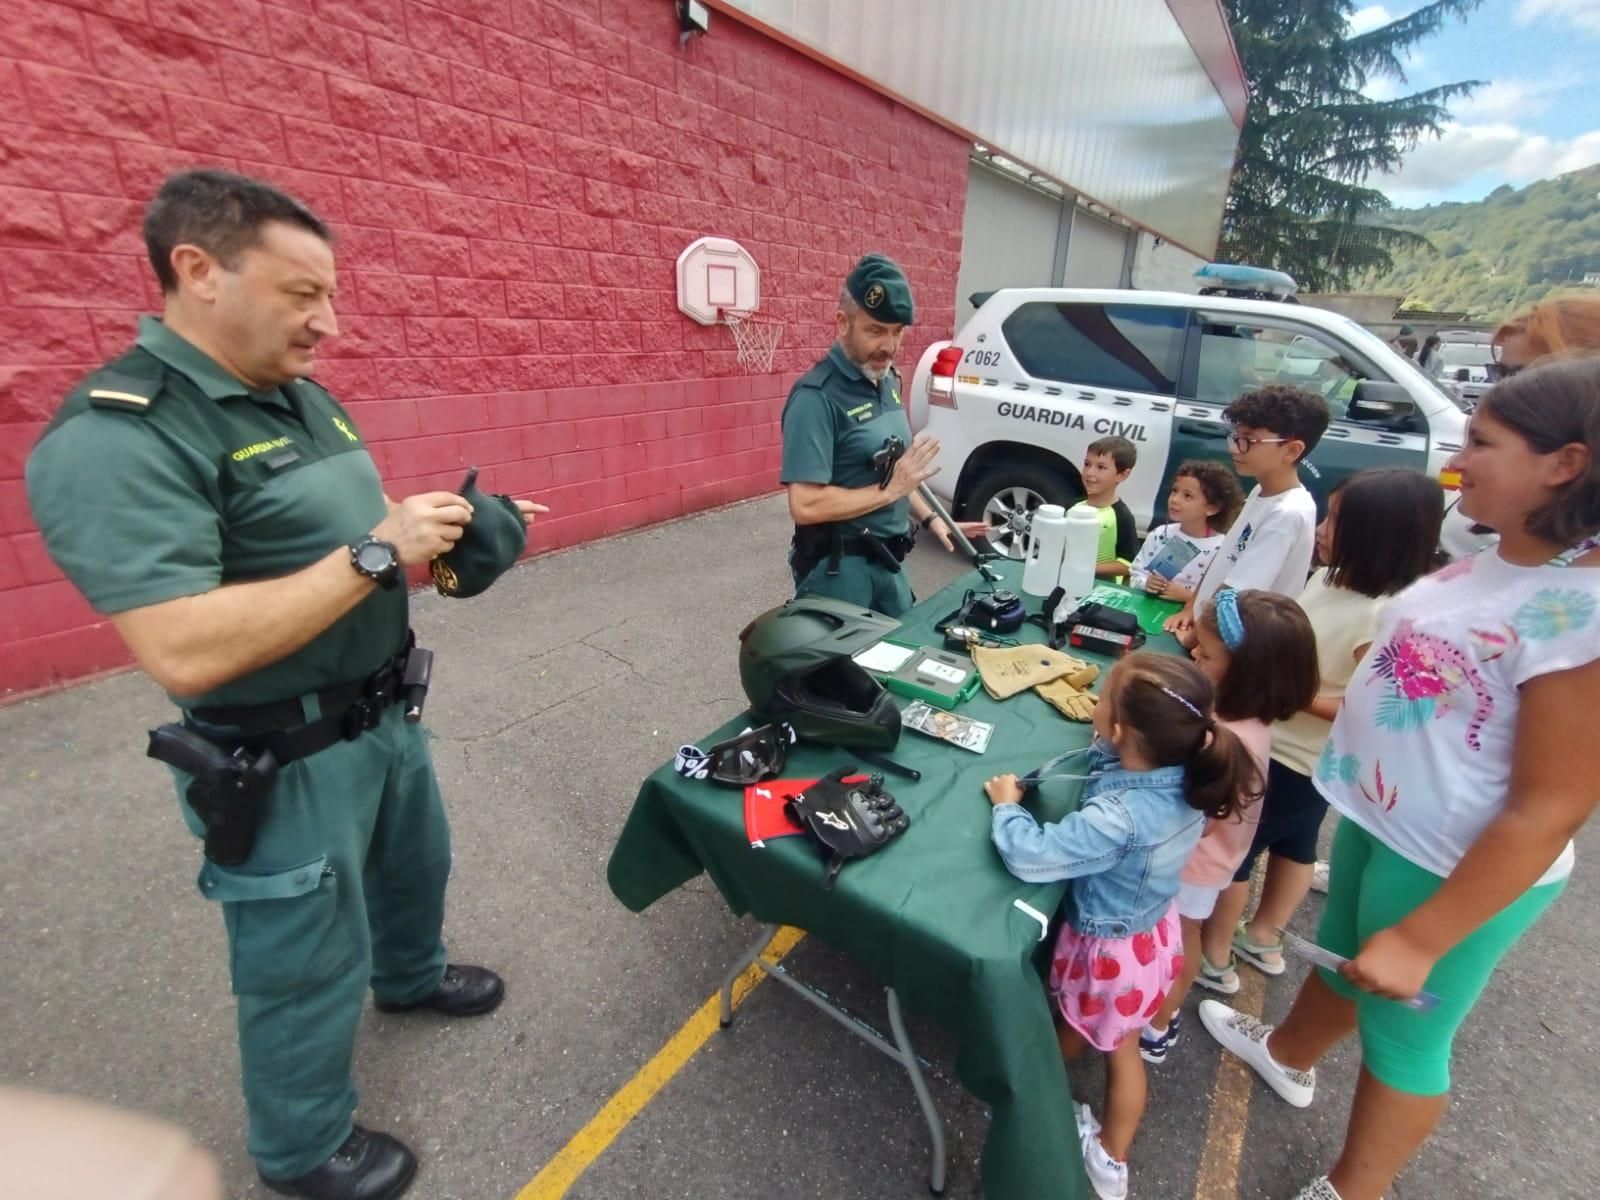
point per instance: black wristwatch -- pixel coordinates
(378, 560)
(927, 521)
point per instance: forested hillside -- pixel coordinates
(1499, 253)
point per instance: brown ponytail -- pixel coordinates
(1170, 707)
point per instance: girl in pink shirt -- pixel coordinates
(1260, 653)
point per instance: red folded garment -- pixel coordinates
(766, 812)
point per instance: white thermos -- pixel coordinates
(1046, 544)
(1076, 578)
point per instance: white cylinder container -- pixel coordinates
(1076, 577)
(1046, 544)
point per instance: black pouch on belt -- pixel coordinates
(229, 792)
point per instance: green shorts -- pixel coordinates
(1372, 888)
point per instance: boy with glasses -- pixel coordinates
(1271, 542)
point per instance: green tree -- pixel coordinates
(1312, 135)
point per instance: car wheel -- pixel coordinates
(1005, 498)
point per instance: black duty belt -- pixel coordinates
(348, 711)
(833, 541)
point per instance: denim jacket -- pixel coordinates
(1123, 849)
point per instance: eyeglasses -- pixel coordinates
(1503, 369)
(1242, 444)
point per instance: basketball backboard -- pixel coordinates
(716, 274)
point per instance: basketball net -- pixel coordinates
(755, 337)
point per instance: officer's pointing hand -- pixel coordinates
(528, 509)
(423, 527)
(916, 464)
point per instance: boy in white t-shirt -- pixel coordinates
(1270, 546)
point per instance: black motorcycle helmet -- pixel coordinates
(795, 665)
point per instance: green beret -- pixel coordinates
(490, 544)
(881, 289)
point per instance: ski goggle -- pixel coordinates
(746, 758)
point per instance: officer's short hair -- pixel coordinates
(848, 304)
(220, 212)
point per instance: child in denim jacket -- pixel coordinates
(1161, 764)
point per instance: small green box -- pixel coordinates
(908, 680)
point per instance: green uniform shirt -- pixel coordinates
(836, 419)
(163, 476)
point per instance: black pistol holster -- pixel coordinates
(832, 541)
(228, 792)
(848, 820)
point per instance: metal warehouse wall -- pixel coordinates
(1136, 104)
(511, 182)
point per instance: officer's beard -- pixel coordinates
(871, 370)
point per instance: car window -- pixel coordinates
(1465, 354)
(1236, 357)
(1129, 346)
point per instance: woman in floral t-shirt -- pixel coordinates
(1463, 760)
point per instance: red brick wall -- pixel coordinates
(511, 182)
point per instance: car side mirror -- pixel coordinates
(1378, 403)
(1463, 374)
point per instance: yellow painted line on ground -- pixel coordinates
(1218, 1178)
(562, 1171)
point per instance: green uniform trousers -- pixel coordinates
(859, 581)
(345, 886)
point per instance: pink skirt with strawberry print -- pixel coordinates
(1107, 988)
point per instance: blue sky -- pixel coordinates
(1539, 115)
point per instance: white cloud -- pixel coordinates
(1583, 14)
(1375, 16)
(1512, 99)
(1483, 156)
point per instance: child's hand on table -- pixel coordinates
(1003, 789)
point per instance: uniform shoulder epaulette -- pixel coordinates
(308, 382)
(818, 375)
(122, 393)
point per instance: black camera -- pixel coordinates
(998, 611)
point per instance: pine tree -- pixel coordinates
(1312, 136)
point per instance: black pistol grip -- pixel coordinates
(181, 747)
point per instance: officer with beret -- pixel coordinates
(852, 511)
(223, 510)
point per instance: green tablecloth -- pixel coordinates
(931, 915)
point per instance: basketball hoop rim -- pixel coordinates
(738, 316)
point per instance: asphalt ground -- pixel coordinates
(554, 695)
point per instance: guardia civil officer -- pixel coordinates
(223, 510)
(852, 514)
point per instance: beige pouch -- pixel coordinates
(1073, 704)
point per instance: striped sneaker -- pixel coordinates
(1153, 1046)
(1246, 1038)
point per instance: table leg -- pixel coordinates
(908, 1059)
(899, 1049)
(768, 932)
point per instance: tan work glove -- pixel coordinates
(1072, 703)
(1012, 669)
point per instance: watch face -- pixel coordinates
(374, 557)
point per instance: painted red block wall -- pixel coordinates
(511, 182)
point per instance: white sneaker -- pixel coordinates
(1319, 877)
(1318, 1189)
(1245, 1037)
(1107, 1176)
(1087, 1125)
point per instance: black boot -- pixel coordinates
(463, 992)
(369, 1166)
